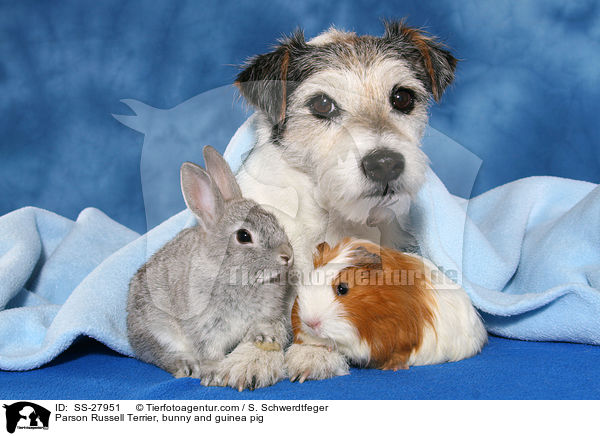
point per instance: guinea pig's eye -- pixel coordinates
(342, 289)
(402, 99)
(322, 106)
(243, 236)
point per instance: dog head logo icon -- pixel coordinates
(26, 415)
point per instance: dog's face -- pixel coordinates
(350, 111)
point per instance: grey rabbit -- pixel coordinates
(213, 302)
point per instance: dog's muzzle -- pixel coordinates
(383, 165)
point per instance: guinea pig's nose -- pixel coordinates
(383, 165)
(313, 323)
(286, 255)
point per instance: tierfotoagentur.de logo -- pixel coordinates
(26, 415)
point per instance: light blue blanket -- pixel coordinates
(528, 254)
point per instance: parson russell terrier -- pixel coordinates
(340, 120)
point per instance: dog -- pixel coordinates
(339, 119)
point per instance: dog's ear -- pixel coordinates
(438, 63)
(266, 81)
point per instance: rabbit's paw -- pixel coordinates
(210, 373)
(250, 367)
(314, 362)
(211, 378)
(267, 343)
(186, 368)
(206, 371)
(267, 336)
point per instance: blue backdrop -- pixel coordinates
(526, 99)
(526, 102)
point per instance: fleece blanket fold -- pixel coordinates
(527, 253)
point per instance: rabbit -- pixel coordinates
(213, 303)
(375, 307)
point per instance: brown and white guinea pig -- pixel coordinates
(379, 308)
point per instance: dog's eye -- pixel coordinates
(243, 236)
(342, 289)
(322, 106)
(402, 99)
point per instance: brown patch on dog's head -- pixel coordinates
(268, 80)
(284, 70)
(439, 64)
(422, 41)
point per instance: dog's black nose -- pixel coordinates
(383, 165)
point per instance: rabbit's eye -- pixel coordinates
(342, 289)
(243, 236)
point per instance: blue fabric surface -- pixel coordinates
(528, 254)
(506, 369)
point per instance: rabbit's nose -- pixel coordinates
(286, 256)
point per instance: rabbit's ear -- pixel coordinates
(201, 195)
(221, 174)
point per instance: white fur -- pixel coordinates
(458, 331)
(248, 366)
(305, 225)
(314, 361)
(321, 161)
(330, 35)
(317, 302)
(335, 331)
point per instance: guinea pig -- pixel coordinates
(372, 306)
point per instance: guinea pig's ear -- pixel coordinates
(363, 258)
(323, 248)
(268, 79)
(319, 256)
(435, 63)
